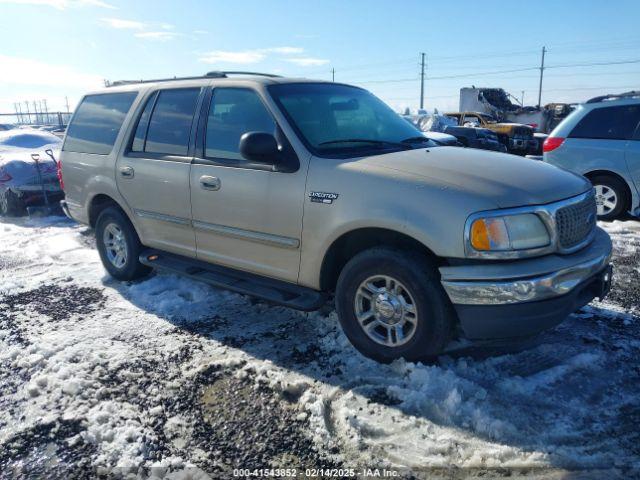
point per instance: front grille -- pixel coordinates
(575, 222)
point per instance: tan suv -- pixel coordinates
(290, 190)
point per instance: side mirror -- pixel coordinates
(259, 147)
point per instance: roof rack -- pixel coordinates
(632, 93)
(213, 74)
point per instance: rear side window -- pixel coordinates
(609, 123)
(97, 122)
(143, 123)
(170, 124)
(234, 112)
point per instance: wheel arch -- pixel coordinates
(99, 202)
(350, 243)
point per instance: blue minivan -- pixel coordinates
(601, 140)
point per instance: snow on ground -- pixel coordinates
(169, 376)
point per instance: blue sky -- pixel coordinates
(50, 49)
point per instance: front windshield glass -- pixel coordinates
(345, 121)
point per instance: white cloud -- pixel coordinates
(241, 57)
(25, 71)
(307, 61)
(258, 55)
(62, 4)
(156, 31)
(163, 35)
(122, 24)
(201, 32)
(286, 50)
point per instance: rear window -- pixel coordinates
(97, 122)
(170, 124)
(608, 123)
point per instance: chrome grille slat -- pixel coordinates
(575, 222)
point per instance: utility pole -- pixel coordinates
(544, 50)
(522, 98)
(66, 101)
(333, 74)
(422, 55)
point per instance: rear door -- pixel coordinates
(245, 215)
(153, 172)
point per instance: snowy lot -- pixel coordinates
(169, 377)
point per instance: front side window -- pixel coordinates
(344, 120)
(608, 123)
(97, 122)
(170, 124)
(234, 112)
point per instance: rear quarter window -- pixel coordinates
(97, 122)
(608, 123)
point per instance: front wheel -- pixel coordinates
(391, 305)
(119, 245)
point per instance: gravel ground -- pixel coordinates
(167, 377)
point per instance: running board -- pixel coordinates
(271, 290)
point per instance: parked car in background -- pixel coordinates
(290, 190)
(601, 140)
(443, 139)
(436, 124)
(437, 136)
(518, 138)
(481, 138)
(21, 180)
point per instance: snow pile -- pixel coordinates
(120, 367)
(27, 139)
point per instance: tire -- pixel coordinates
(419, 285)
(115, 235)
(611, 196)
(11, 205)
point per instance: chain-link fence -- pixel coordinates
(59, 119)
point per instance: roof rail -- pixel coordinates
(218, 74)
(213, 74)
(632, 93)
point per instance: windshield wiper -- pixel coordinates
(416, 139)
(366, 140)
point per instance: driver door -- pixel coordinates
(245, 215)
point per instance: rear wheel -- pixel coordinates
(391, 305)
(611, 196)
(119, 245)
(11, 205)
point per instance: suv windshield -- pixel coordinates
(344, 121)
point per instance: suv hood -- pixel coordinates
(507, 180)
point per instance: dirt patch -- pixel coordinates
(49, 450)
(244, 424)
(55, 301)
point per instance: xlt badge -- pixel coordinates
(323, 197)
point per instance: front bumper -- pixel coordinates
(515, 299)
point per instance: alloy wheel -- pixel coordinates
(606, 199)
(115, 245)
(386, 310)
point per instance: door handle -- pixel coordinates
(126, 172)
(210, 183)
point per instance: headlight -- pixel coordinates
(508, 233)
